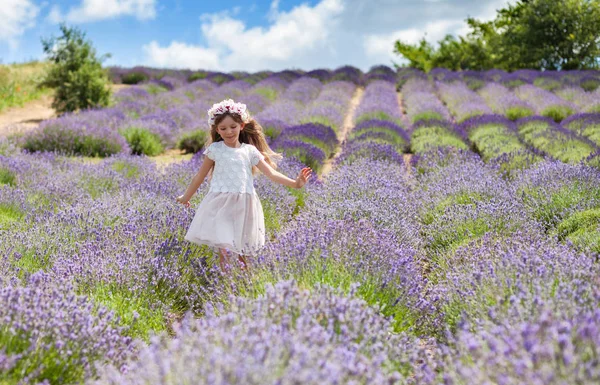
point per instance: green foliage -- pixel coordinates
(590, 84)
(272, 131)
(381, 135)
(127, 169)
(96, 186)
(492, 140)
(544, 137)
(464, 198)
(192, 142)
(517, 112)
(582, 229)
(9, 214)
(547, 83)
(427, 138)
(154, 89)
(197, 76)
(7, 177)
(219, 79)
(536, 34)
(142, 141)
(135, 310)
(134, 78)
(550, 208)
(328, 150)
(77, 76)
(303, 157)
(557, 113)
(426, 116)
(21, 83)
(592, 132)
(31, 261)
(376, 115)
(267, 92)
(319, 119)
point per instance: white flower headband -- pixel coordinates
(228, 106)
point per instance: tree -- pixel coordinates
(537, 34)
(77, 75)
(553, 35)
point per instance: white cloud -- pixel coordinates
(302, 31)
(328, 34)
(95, 10)
(380, 46)
(16, 16)
(54, 16)
(181, 55)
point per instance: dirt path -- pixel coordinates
(22, 119)
(406, 125)
(346, 128)
(18, 120)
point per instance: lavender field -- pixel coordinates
(451, 237)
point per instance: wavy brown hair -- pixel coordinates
(252, 133)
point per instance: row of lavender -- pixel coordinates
(589, 80)
(459, 254)
(462, 118)
(174, 78)
(144, 123)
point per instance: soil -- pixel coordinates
(346, 128)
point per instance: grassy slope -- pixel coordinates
(19, 83)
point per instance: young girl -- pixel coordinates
(230, 216)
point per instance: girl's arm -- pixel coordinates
(196, 182)
(278, 177)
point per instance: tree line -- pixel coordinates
(530, 34)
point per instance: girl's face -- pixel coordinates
(229, 130)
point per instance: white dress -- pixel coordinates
(230, 216)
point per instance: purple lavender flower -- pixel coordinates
(503, 101)
(380, 101)
(461, 101)
(317, 134)
(421, 102)
(545, 102)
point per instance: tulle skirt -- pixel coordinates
(233, 221)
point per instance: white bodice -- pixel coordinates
(233, 167)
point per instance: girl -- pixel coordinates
(230, 216)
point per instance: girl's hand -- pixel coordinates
(180, 199)
(303, 177)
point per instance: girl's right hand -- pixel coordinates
(182, 201)
(303, 177)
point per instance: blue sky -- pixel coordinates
(228, 35)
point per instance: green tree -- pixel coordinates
(77, 75)
(537, 34)
(546, 34)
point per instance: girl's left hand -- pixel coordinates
(185, 203)
(303, 177)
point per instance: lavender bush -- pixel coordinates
(421, 102)
(503, 101)
(285, 336)
(379, 101)
(554, 140)
(545, 102)
(461, 101)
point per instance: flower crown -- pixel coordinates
(228, 106)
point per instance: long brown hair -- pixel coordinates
(252, 133)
